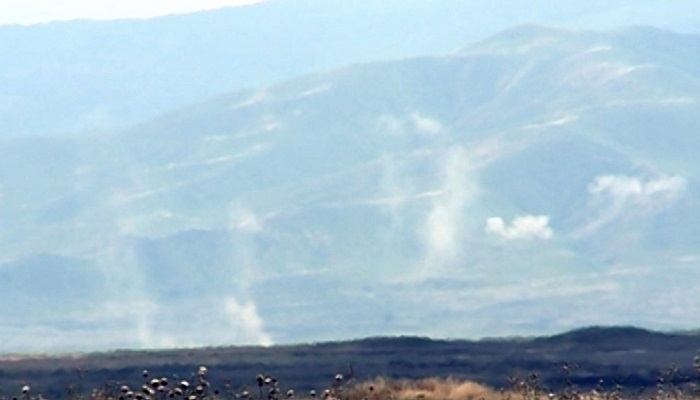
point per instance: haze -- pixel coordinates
(308, 170)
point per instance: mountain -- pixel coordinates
(536, 181)
(74, 76)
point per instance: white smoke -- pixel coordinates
(244, 220)
(624, 188)
(614, 195)
(525, 227)
(443, 229)
(424, 124)
(246, 325)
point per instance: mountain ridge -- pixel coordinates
(133, 70)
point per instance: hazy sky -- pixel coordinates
(36, 11)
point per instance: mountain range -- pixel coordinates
(73, 76)
(535, 181)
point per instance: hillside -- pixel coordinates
(536, 181)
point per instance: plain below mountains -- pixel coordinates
(533, 182)
(623, 360)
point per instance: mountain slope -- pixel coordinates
(539, 180)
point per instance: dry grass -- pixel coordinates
(671, 385)
(428, 389)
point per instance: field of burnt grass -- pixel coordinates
(588, 364)
(671, 385)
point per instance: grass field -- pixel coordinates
(588, 364)
(670, 386)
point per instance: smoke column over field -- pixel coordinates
(443, 228)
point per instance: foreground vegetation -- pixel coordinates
(615, 363)
(671, 385)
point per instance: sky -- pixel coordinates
(28, 12)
